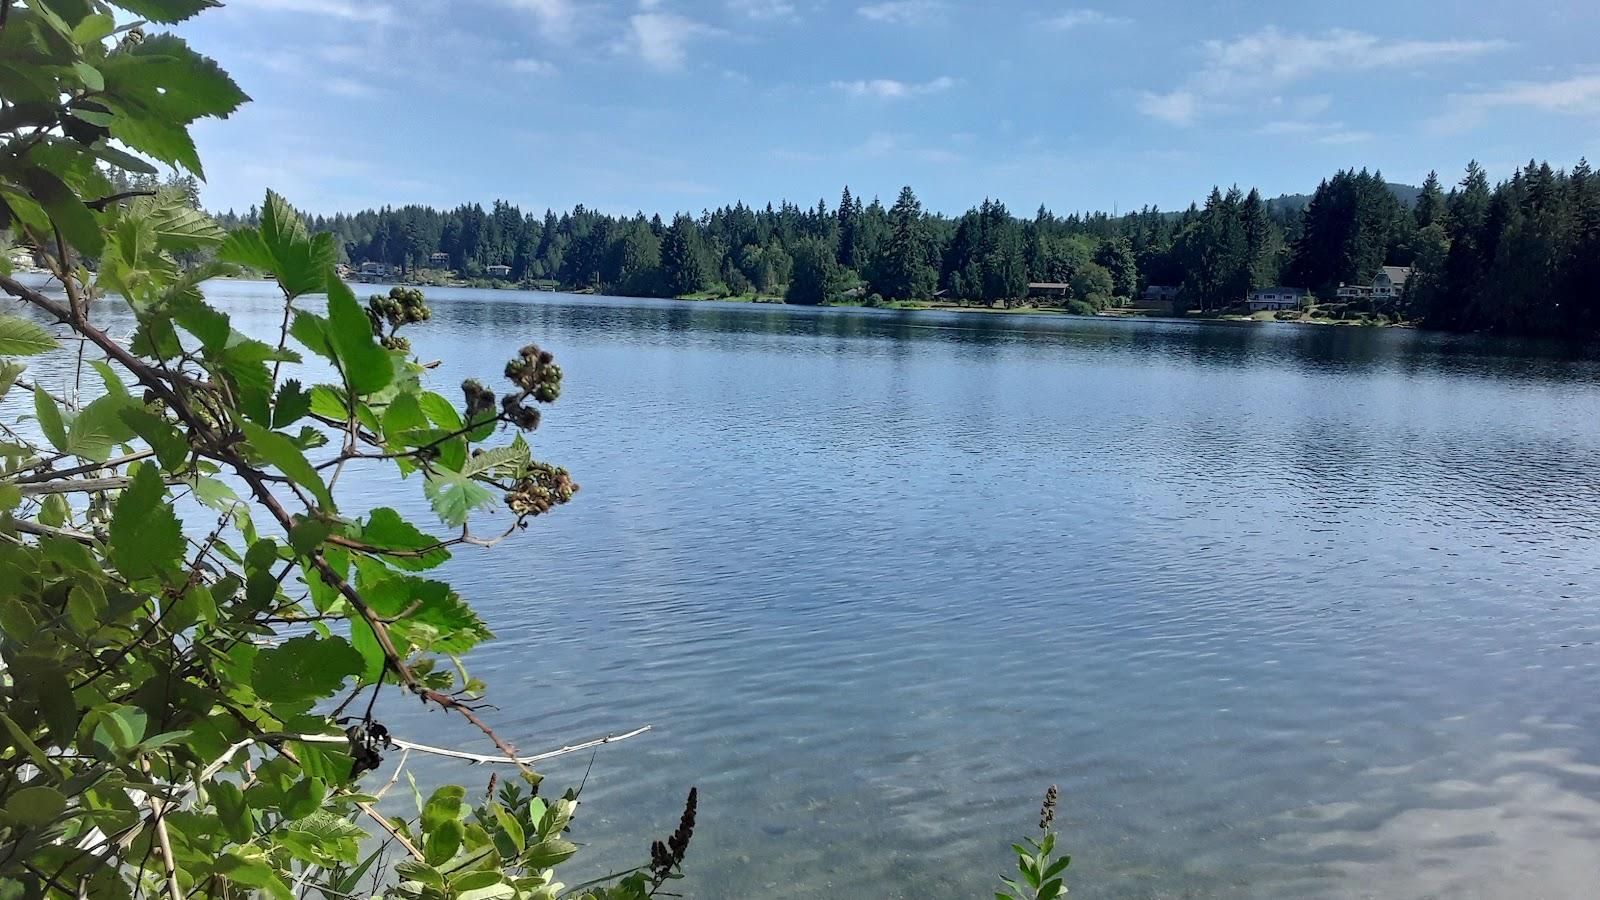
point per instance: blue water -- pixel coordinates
(1286, 611)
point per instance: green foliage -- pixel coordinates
(1040, 869)
(172, 684)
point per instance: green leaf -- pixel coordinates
(35, 805)
(305, 797)
(443, 841)
(146, 538)
(367, 367)
(166, 12)
(291, 405)
(93, 29)
(22, 337)
(8, 375)
(443, 806)
(455, 496)
(385, 530)
(232, 810)
(548, 853)
(304, 668)
(277, 450)
(76, 221)
(99, 427)
(169, 444)
(50, 421)
(494, 458)
(249, 867)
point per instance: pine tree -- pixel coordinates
(902, 271)
(681, 266)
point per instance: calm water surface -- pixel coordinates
(1286, 611)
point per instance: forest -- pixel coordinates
(1519, 256)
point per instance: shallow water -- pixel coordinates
(1285, 611)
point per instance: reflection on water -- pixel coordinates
(1286, 611)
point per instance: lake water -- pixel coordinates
(1285, 611)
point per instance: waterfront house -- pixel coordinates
(1161, 298)
(1390, 282)
(439, 261)
(21, 258)
(374, 269)
(497, 271)
(1276, 297)
(1058, 289)
(1350, 293)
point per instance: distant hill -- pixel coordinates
(1407, 195)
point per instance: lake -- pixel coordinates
(1286, 611)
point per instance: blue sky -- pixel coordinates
(662, 105)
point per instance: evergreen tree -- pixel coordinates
(901, 271)
(682, 269)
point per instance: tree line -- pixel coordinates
(1522, 255)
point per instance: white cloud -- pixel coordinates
(1272, 59)
(1577, 96)
(902, 12)
(661, 39)
(531, 66)
(1074, 18)
(351, 10)
(554, 17)
(890, 89)
(763, 10)
(1178, 107)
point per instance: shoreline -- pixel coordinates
(1305, 318)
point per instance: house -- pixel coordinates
(1349, 293)
(497, 271)
(1049, 289)
(1276, 297)
(1390, 282)
(1159, 297)
(439, 261)
(21, 257)
(372, 272)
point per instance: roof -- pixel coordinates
(1397, 274)
(1279, 289)
(1049, 285)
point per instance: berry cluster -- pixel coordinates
(403, 306)
(541, 490)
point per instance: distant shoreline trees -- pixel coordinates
(1521, 256)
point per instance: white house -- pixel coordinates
(1276, 297)
(374, 269)
(497, 271)
(439, 261)
(21, 257)
(1390, 282)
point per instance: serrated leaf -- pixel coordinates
(385, 530)
(277, 450)
(367, 367)
(494, 458)
(167, 12)
(145, 536)
(291, 404)
(163, 438)
(454, 496)
(304, 668)
(99, 427)
(22, 337)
